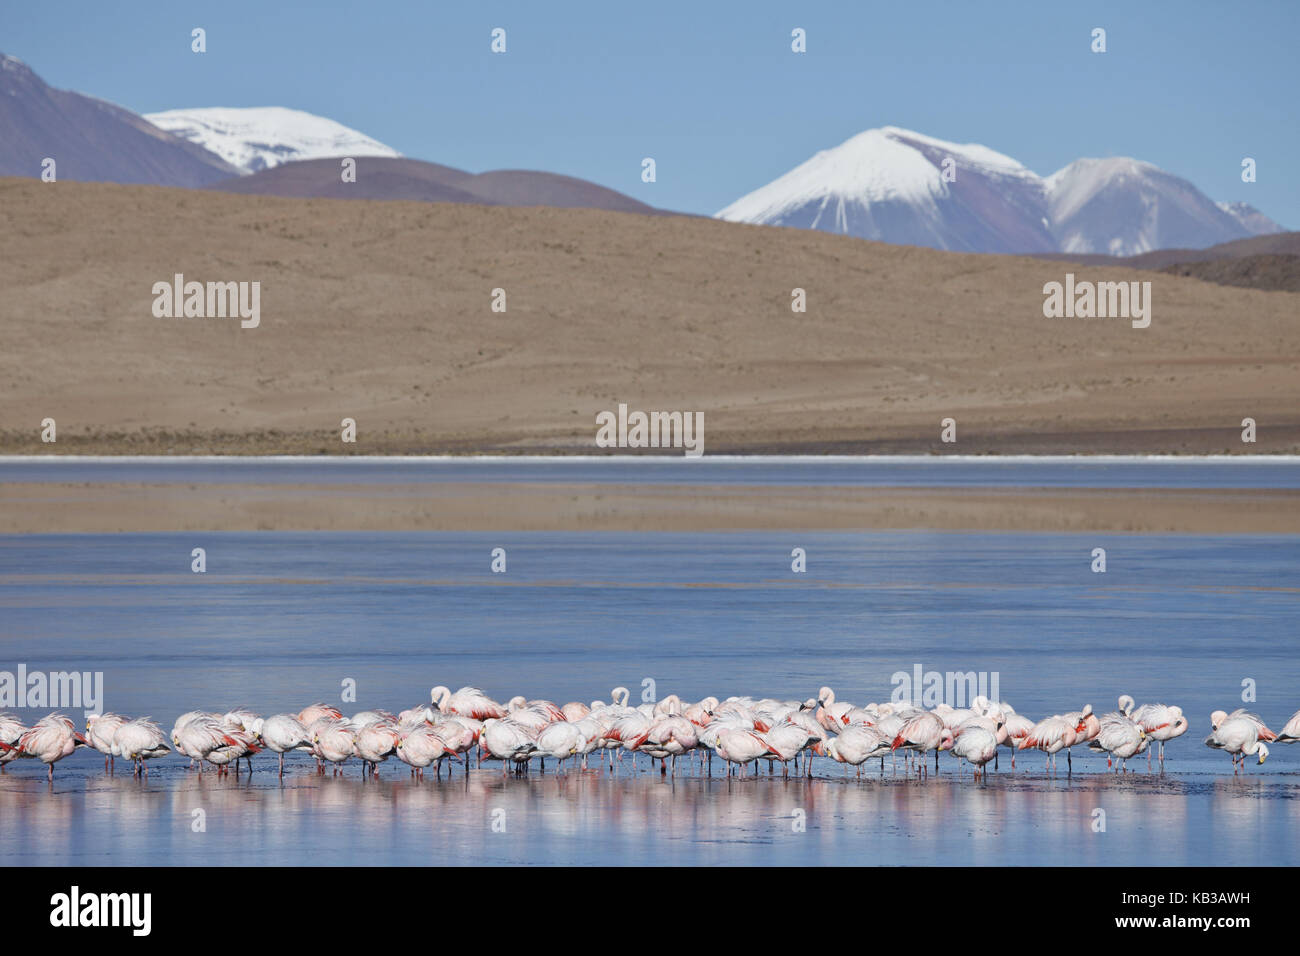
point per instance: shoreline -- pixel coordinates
(454, 506)
(1278, 438)
(630, 459)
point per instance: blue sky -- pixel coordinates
(711, 90)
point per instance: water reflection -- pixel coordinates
(646, 819)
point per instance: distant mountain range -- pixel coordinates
(265, 151)
(90, 139)
(886, 184)
(889, 184)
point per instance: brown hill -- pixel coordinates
(1270, 262)
(393, 179)
(1270, 272)
(381, 312)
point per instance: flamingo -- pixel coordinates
(1050, 735)
(1086, 727)
(858, 743)
(670, 736)
(420, 746)
(1289, 734)
(375, 742)
(314, 712)
(1120, 737)
(804, 718)
(183, 720)
(467, 702)
(741, 747)
(741, 711)
(1161, 723)
(459, 733)
(831, 712)
(51, 739)
(670, 706)
(629, 731)
(534, 718)
(575, 710)
(140, 740)
(1261, 729)
(924, 733)
(545, 708)
(282, 733)
(701, 712)
(10, 730)
(100, 729)
(420, 714)
(334, 741)
(507, 740)
(976, 744)
(1017, 727)
(367, 717)
(199, 735)
(1240, 737)
(241, 718)
(561, 740)
(235, 745)
(788, 739)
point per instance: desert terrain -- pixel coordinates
(381, 312)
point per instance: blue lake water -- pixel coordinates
(283, 619)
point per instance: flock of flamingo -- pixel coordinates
(740, 730)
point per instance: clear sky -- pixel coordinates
(711, 89)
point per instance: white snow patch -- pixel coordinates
(256, 138)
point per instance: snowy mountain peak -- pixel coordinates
(1251, 219)
(890, 184)
(888, 165)
(972, 153)
(257, 138)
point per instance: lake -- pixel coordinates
(280, 620)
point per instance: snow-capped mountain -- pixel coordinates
(890, 184)
(1250, 218)
(257, 138)
(1123, 207)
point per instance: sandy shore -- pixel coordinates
(381, 312)
(116, 507)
